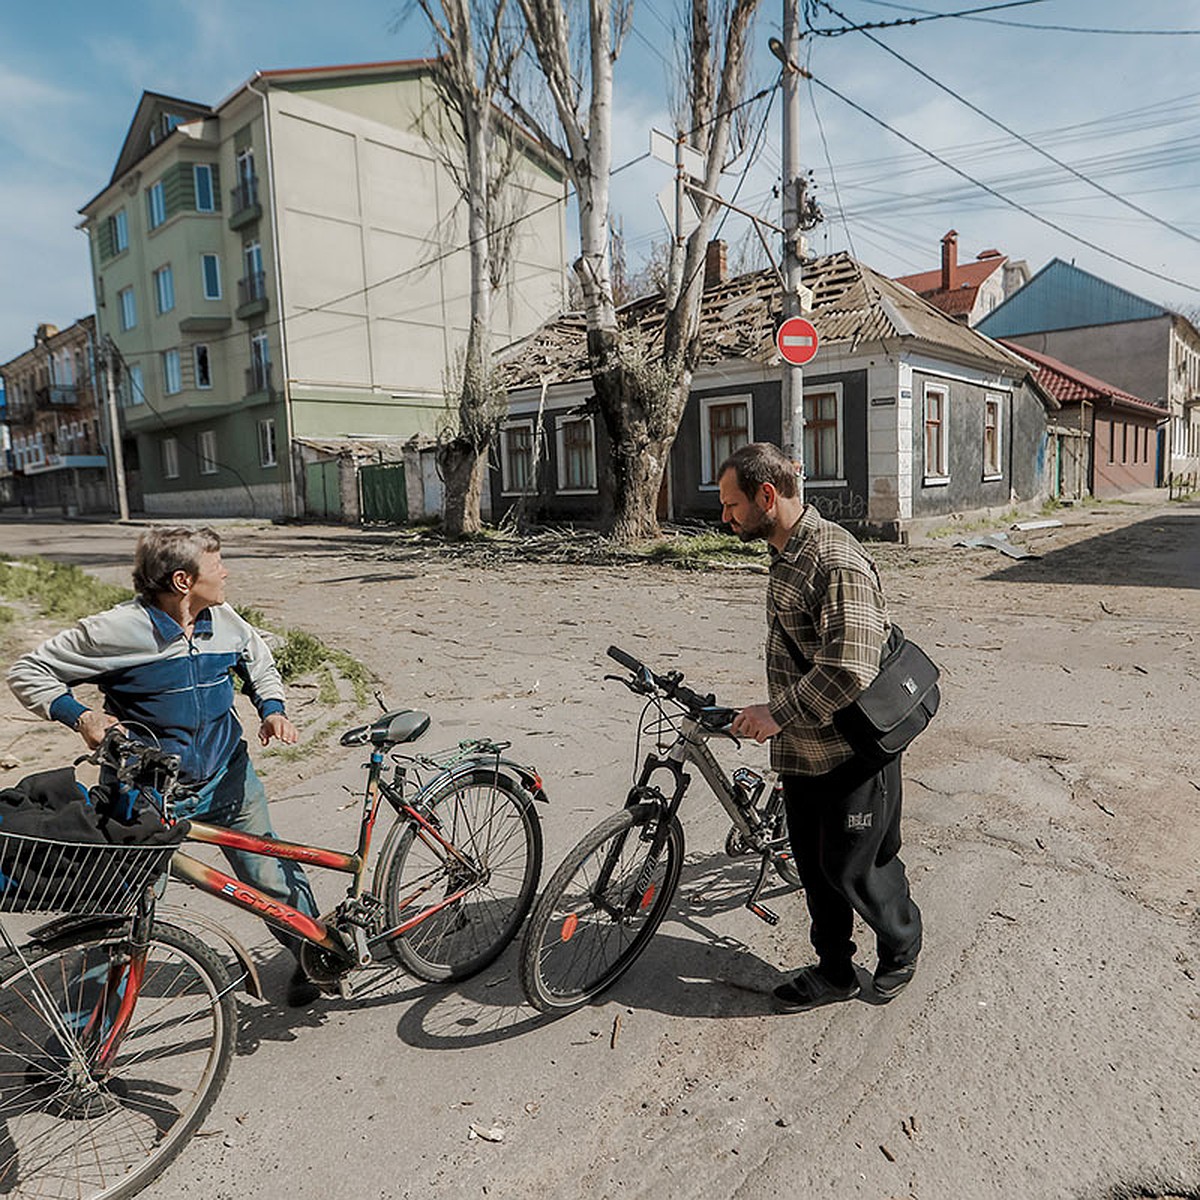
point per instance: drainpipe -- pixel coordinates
(283, 344)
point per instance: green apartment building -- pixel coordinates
(290, 268)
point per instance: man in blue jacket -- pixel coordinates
(164, 663)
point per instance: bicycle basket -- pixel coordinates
(43, 875)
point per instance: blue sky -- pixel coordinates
(1123, 110)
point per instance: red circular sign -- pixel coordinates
(797, 341)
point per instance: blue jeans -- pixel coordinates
(234, 798)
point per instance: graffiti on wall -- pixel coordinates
(843, 506)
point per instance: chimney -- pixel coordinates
(715, 266)
(950, 261)
(43, 333)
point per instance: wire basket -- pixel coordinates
(42, 875)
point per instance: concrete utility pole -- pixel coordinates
(792, 392)
(116, 455)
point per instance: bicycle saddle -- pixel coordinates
(393, 728)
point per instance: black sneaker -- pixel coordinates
(891, 981)
(810, 989)
(301, 991)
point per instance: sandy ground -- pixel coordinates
(1048, 1046)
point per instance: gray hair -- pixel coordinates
(163, 550)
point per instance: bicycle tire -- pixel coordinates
(784, 862)
(67, 1136)
(574, 949)
(492, 821)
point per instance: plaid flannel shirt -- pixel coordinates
(824, 590)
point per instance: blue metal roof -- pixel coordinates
(1061, 296)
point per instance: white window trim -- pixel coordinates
(263, 461)
(933, 479)
(212, 191)
(164, 273)
(120, 231)
(170, 458)
(168, 390)
(204, 276)
(505, 469)
(128, 318)
(990, 397)
(137, 385)
(560, 441)
(204, 387)
(208, 462)
(707, 402)
(839, 475)
(153, 210)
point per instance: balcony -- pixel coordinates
(258, 382)
(252, 295)
(244, 207)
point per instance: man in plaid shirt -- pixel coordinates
(827, 624)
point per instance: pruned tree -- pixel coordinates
(476, 49)
(641, 389)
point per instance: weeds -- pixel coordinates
(57, 589)
(694, 552)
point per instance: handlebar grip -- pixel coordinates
(626, 660)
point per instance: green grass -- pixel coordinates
(57, 589)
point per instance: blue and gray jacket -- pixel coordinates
(152, 675)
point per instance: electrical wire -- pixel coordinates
(966, 12)
(1034, 25)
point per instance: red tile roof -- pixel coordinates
(970, 275)
(1069, 385)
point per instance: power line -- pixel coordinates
(1058, 162)
(1000, 195)
(1030, 24)
(966, 12)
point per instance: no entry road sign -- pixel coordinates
(797, 341)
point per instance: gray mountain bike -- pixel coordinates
(611, 892)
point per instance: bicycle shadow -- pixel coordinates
(699, 972)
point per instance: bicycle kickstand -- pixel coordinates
(759, 909)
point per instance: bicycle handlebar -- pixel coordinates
(704, 708)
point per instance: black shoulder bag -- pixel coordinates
(894, 707)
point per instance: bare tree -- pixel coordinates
(476, 54)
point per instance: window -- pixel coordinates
(203, 370)
(516, 458)
(118, 228)
(258, 378)
(170, 458)
(1112, 441)
(724, 426)
(576, 454)
(208, 452)
(1124, 442)
(210, 270)
(823, 435)
(172, 373)
(164, 289)
(128, 304)
(203, 178)
(937, 402)
(266, 443)
(156, 204)
(135, 387)
(991, 437)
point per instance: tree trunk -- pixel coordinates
(463, 467)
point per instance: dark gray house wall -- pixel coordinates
(1132, 355)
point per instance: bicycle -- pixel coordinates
(610, 894)
(117, 1027)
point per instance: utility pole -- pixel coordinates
(792, 391)
(116, 456)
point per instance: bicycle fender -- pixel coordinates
(249, 970)
(514, 772)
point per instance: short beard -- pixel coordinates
(762, 528)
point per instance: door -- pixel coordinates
(384, 499)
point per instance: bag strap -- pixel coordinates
(895, 640)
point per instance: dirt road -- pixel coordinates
(1048, 1046)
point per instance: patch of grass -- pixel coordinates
(59, 590)
(694, 552)
(7, 615)
(1001, 521)
(327, 692)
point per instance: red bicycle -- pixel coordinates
(117, 1026)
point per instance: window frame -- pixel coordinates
(172, 371)
(169, 457)
(196, 352)
(268, 449)
(156, 204)
(939, 475)
(995, 470)
(206, 451)
(164, 289)
(118, 226)
(560, 427)
(838, 478)
(137, 385)
(709, 467)
(506, 488)
(216, 262)
(128, 310)
(206, 169)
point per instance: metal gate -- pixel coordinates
(322, 493)
(384, 498)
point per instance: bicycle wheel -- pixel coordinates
(491, 823)
(67, 1129)
(783, 860)
(588, 928)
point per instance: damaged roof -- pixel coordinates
(852, 306)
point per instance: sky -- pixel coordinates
(1120, 108)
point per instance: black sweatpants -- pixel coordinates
(845, 834)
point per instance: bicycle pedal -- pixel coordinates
(345, 988)
(763, 913)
